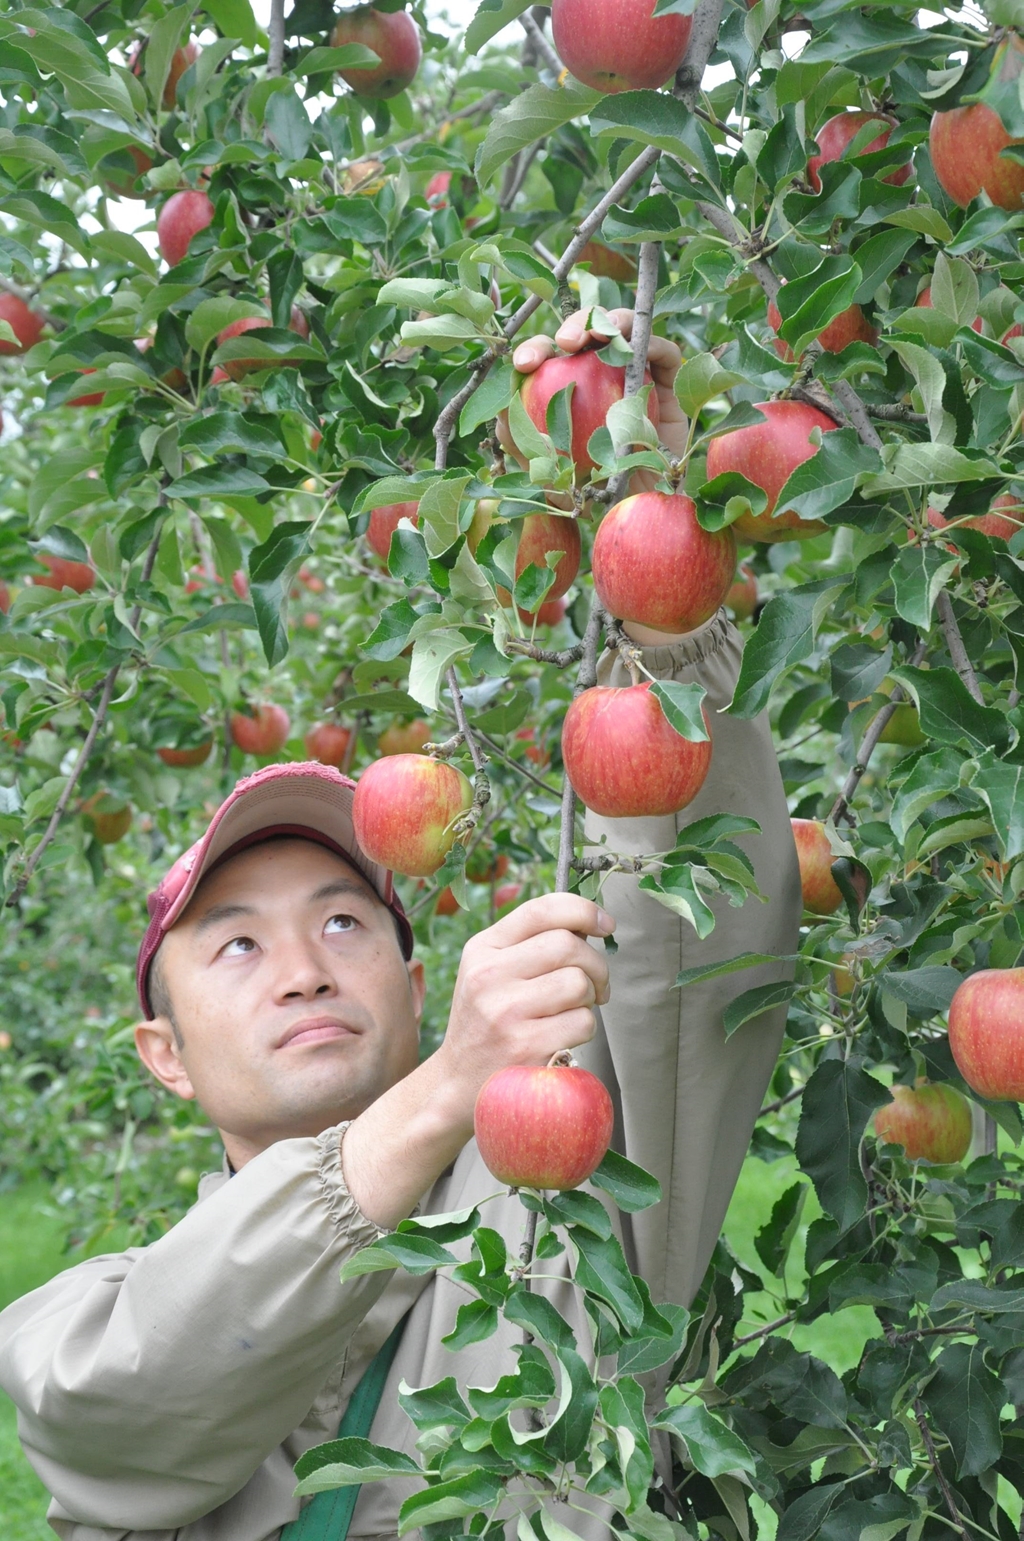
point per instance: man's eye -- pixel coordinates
(238, 947)
(340, 923)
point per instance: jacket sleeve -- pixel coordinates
(687, 1096)
(150, 1385)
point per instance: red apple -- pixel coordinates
(986, 1033)
(328, 742)
(1016, 330)
(932, 1123)
(264, 732)
(108, 817)
(26, 324)
(240, 583)
(447, 904)
(182, 216)
(543, 1126)
(534, 751)
(180, 61)
(818, 886)
(314, 584)
(767, 454)
(508, 893)
(311, 620)
(655, 565)
(119, 178)
(840, 131)
(298, 322)
(404, 738)
(1003, 520)
(551, 612)
(5, 598)
(605, 262)
(925, 299)
(64, 574)
(619, 45)
(404, 810)
(5, 1040)
(237, 367)
(90, 399)
(436, 190)
(625, 759)
(187, 758)
(485, 866)
(394, 38)
(539, 534)
(851, 325)
(742, 596)
(384, 522)
(965, 144)
(597, 386)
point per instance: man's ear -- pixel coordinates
(158, 1051)
(417, 987)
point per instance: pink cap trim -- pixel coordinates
(307, 799)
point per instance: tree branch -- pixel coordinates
(275, 51)
(82, 758)
(540, 43)
(933, 1462)
(706, 22)
(467, 822)
(560, 660)
(585, 680)
(781, 1102)
(955, 642)
(762, 1332)
(869, 743)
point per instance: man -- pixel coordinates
(165, 1393)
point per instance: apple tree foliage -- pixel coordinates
(182, 478)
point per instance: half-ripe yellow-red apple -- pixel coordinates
(624, 757)
(543, 1126)
(931, 1121)
(328, 742)
(404, 812)
(653, 563)
(821, 895)
(404, 737)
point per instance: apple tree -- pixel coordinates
(303, 505)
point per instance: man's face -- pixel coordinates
(294, 1006)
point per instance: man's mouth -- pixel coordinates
(315, 1030)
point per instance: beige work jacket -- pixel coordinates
(165, 1393)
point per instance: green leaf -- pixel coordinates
(828, 478)
(540, 1317)
(222, 618)
(774, 1239)
(213, 315)
(434, 1407)
(216, 482)
(700, 379)
(785, 635)
(653, 219)
(601, 1270)
(677, 891)
(630, 1186)
(532, 115)
(320, 61)
(808, 304)
(348, 1463)
(918, 574)
(656, 118)
(965, 1399)
(234, 18)
(1001, 784)
(927, 465)
(858, 669)
(949, 713)
(683, 707)
(743, 960)
(878, 258)
(754, 1003)
(955, 289)
(933, 776)
(455, 1500)
(837, 1102)
(925, 991)
(416, 1254)
(164, 37)
(475, 1321)
(439, 511)
(712, 1446)
(493, 397)
(490, 18)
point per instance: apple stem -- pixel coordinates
(627, 649)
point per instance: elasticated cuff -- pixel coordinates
(344, 1210)
(664, 660)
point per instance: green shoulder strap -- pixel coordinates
(329, 1515)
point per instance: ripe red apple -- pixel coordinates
(534, 751)
(404, 810)
(187, 758)
(436, 190)
(541, 533)
(818, 886)
(264, 732)
(851, 325)
(314, 584)
(394, 38)
(1016, 330)
(925, 299)
(621, 46)
(986, 1033)
(605, 262)
(26, 324)
(180, 61)
(655, 565)
(767, 454)
(543, 1126)
(182, 216)
(5, 598)
(965, 144)
(237, 367)
(240, 583)
(119, 178)
(1003, 520)
(108, 817)
(447, 904)
(311, 620)
(384, 522)
(328, 742)
(508, 893)
(64, 574)
(404, 738)
(551, 612)
(742, 596)
(597, 386)
(625, 759)
(5, 1040)
(932, 1123)
(485, 866)
(840, 131)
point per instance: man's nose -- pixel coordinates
(303, 973)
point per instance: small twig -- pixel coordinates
(955, 642)
(762, 1332)
(467, 822)
(275, 32)
(476, 754)
(514, 764)
(857, 412)
(519, 168)
(559, 660)
(869, 742)
(88, 742)
(585, 680)
(443, 750)
(541, 44)
(896, 413)
(933, 1461)
(781, 1102)
(609, 863)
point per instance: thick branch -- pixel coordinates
(82, 758)
(706, 22)
(275, 52)
(540, 43)
(869, 743)
(955, 642)
(895, 412)
(585, 679)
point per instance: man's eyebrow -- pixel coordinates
(218, 912)
(341, 886)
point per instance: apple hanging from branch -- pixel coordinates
(619, 45)
(404, 811)
(931, 1122)
(624, 757)
(654, 565)
(543, 1126)
(986, 1033)
(767, 454)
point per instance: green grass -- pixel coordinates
(30, 1253)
